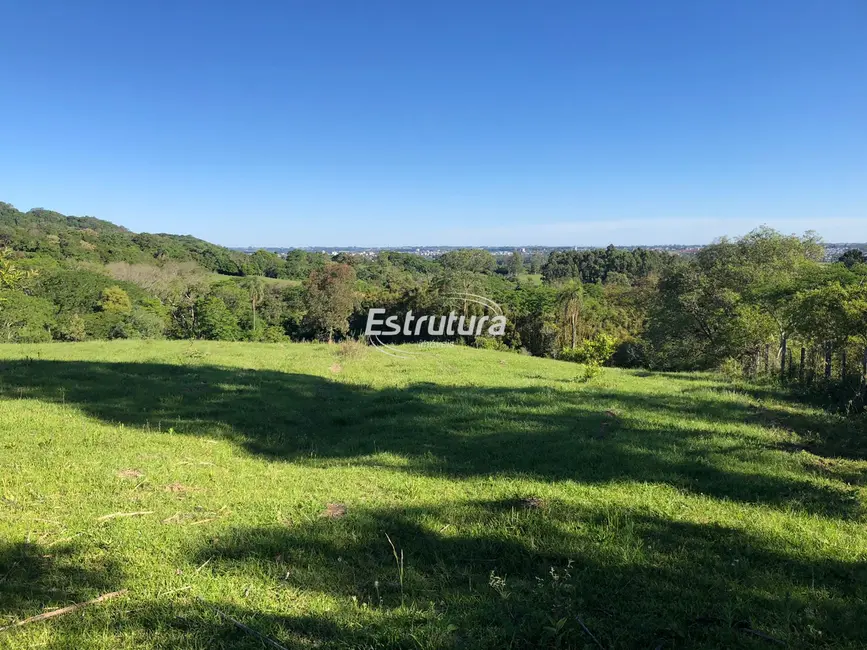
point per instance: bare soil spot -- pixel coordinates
(334, 511)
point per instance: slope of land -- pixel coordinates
(330, 496)
(62, 237)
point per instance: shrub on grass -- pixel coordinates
(597, 350)
(352, 349)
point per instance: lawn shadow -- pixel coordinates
(438, 429)
(633, 578)
(822, 433)
(35, 578)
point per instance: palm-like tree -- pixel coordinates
(255, 288)
(570, 299)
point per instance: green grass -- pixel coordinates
(530, 278)
(280, 282)
(657, 511)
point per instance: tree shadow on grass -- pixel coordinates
(634, 579)
(470, 575)
(824, 434)
(593, 435)
(35, 578)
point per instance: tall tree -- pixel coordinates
(330, 299)
(255, 288)
(570, 299)
(516, 263)
(536, 262)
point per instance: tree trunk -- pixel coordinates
(828, 360)
(843, 363)
(864, 378)
(784, 343)
(803, 360)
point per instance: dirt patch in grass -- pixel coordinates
(334, 511)
(178, 488)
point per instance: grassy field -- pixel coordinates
(340, 498)
(530, 278)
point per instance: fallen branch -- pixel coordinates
(264, 639)
(64, 610)
(116, 515)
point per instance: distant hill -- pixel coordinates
(44, 232)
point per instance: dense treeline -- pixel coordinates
(51, 234)
(761, 304)
(603, 265)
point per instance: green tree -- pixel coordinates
(255, 288)
(536, 262)
(214, 321)
(115, 300)
(570, 300)
(473, 260)
(732, 298)
(25, 319)
(515, 263)
(330, 299)
(10, 274)
(852, 257)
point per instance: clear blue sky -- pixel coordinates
(336, 122)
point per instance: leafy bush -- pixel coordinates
(70, 328)
(595, 351)
(147, 324)
(489, 343)
(731, 369)
(105, 325)
(588, 371)
(274, 334)
(631, 353)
